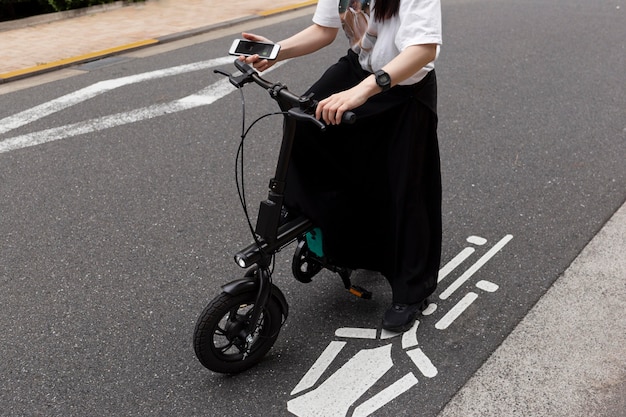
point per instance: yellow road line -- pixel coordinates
(287, 8)
(80, 58)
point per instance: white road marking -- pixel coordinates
(423, 363)
(477, 240)
(456, 311)
(204, 97)
(487, 286)
(432, 307)
(386, 334)
(385, 396)
(335, 396)
(461, 257)
(356, 333)
(456, 261)
(474, 268)
(214, 93)
(409, 338)
(343, 388)
(321, 364)
(28, 116)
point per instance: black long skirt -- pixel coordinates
(374, 188)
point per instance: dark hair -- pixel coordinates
(385, 9)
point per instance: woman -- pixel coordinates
(374, 188)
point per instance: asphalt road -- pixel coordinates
(115, 231)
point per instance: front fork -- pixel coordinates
(263, 278)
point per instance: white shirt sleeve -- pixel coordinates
(327, 14)
(420, 23)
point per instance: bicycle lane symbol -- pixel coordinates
(344, 388)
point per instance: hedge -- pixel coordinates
(17, 9)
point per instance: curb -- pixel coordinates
(93, 56)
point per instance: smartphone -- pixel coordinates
(248, 48)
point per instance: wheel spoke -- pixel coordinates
(226, 348)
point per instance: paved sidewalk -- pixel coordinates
(36, 45)
(566, 358)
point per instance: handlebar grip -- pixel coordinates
(249, 74)
(348, 118)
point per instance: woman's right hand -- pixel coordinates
(258, 63)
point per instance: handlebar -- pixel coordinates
(298, 107)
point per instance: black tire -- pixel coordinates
(304, 265)
(217, 341)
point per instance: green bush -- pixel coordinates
(16, 9)
(60, 5)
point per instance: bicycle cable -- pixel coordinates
(239, 168)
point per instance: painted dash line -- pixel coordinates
(456, 261)
(474, 268)
(456, 311)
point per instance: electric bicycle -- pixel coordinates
(240, 325)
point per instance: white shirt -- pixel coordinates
(417, 22)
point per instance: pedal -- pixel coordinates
(360, 292)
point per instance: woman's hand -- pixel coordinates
(331, 109)
(407, 63)
(258, 63)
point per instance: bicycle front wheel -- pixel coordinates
(218, 338)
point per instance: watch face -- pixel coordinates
(383, 79)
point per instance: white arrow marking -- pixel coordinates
(27, 116)
(203, 98)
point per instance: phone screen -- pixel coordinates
(254, 48)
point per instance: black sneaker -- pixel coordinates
(400, 317)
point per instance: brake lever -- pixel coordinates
(224, 73)
(241, 80)
(300, 114)
(234, 80)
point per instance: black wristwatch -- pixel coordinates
(383, 80)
